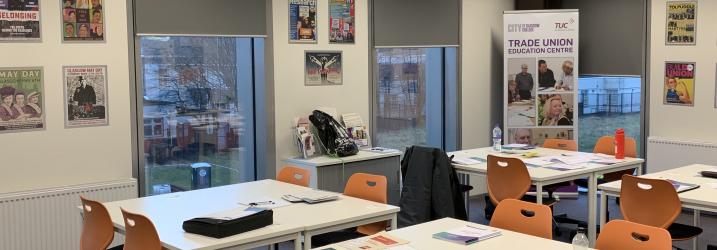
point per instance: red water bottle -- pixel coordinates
(619, 143)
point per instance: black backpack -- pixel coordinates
(333, 135)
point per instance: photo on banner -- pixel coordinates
(521, 92)
(342, 21)
(22, 103)
(85, 96)
(20, 20)
(555, 109)
(556, 74)
(679, 83)
(536, 136)
(302, 21)
(323, 68)
(680, 28)
(83, 20)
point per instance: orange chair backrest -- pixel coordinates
(140, 233)
(563, 144)
(606, 145)
(507, 178)
(620, 234)
(649, 202)
(97, 228)
(523, 217)
(294, 175)
(368, 187)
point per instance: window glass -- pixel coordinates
(197, 104)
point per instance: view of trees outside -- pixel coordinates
(401, 98)
(196, 113)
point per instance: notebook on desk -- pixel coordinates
(467, 235)
(683, 187)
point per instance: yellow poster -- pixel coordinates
(679, 83)
(680, 27)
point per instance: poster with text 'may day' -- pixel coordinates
(540, 76)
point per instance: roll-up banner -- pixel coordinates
(541, 76)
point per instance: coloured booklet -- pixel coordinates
(682, 187)
(467, 235)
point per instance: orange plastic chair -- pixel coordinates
(368, 187)
(524, 217)
(563, 144)
(140, 233)
(620, 234)
(294, 175)
(654, 203)
(606, 145)
(97, 228)
(507, 178)
(664, 204)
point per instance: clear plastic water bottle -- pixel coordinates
(580, 241)
(497, 138)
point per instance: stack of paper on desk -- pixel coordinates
(313, 196)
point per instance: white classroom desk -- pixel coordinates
(541, 177)
(168, 211)
(420, 237)
(703, 198)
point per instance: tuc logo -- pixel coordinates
(564, 26)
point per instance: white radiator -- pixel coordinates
(49, 218)
(665, 153)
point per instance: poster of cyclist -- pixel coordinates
(323, 68)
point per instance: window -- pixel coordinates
(607, 103)
(198, 111)
(410, 90)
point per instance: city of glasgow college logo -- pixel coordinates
(523, 27)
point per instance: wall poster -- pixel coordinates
(85, 95)
(83, 20)
(342, 16)
(680, 26)
(540, 70)
(22, 106)
(679, 83)
(323, 68)
(20, 20)
(302, 21)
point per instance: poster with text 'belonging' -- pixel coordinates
(19, 20)
(540, 76)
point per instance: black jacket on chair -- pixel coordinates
(430, 187)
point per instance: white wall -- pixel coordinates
(57, 156)
(482, 73)
(292, 98)
(677, 122)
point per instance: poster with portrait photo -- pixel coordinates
(680, 28)
(342, 19)
(323, 68)
(85, 90)
(556, 74)
(21, 100)
(20, 20)
(302, 21)
(536, 136)
(679, 83)
(83, 20)
(555, 110)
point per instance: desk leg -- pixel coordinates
(307, 240)
(297, 242)
(394, 222)
(592, 200)
(603, 209)
(696, 222)
(466, 178)
(639, 170)
(539, 193)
